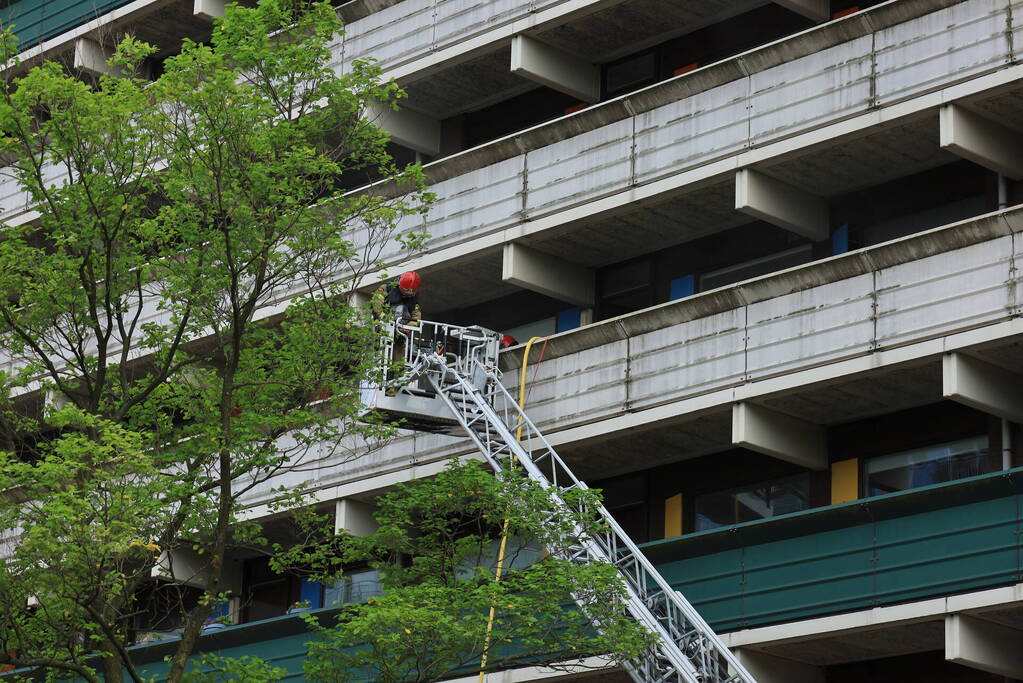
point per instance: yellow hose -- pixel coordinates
(504, 530)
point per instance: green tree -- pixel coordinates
(176, 316)
(437, 551)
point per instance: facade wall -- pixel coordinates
(828, 342)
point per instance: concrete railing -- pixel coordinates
(718, 112)
(835, 71)
(413, 29)
(799, 326)
(932, 284)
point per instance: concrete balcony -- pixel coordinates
(844, 106)
(840, 584)
(936, 540)
(453, 56)
(862, 334)
(864, 62)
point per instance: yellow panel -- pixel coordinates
(673, 516)
(845, 480)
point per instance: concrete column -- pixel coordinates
(181, 565)
(981, 140)
(209, 9)
(355, 517)
(546, 274)
(91, 57)
(817, 10)
(406, 127)
(559, 70)
(780, 436)
(973, 382)
(359, 299)
(984, 645)
(770, 669)
(761, 196)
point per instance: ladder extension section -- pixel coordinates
(687, 650)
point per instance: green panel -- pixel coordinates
(893, 548)
(946, 551)
(713, 583)
(38, 20)
(287, 652)
(799, 577)
(927, 542)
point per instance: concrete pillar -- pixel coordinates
(550, 275)
(780, 436)
(91, 57)
(355, 517)
(817, 10)
(984, 645)
(973, 382)
(981, 140)
(761, 196)
(559, 70)
(770, 669)
(359, 299)
(183, 566)
(209, 9)
(408, 128)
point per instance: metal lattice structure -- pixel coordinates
(460, 366)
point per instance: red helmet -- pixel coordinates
(508, 340)
(408, 282)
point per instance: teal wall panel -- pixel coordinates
(38, 20)
(285, 651)
(928, 542)
(713, 583)
(933, 541)
(914, 558)
(800, 577)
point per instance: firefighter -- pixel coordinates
(400, 297)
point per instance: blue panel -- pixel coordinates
(682, 287)
(312, 592)
(569, 319)
(840, 240)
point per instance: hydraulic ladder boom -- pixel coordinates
(468, 383)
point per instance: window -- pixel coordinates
(630, 73)
(358, 586)
(625, 287)
(929, 465)
(757, 501)
(756, 267)
(267, 594)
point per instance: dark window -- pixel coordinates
(267, 594)
(630, 73)
(626, 499)
(758, 501)
(625, 287)
(928, 465)
(763, 265)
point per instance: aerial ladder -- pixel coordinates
(448, 381)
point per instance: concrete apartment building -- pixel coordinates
(772, 247)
